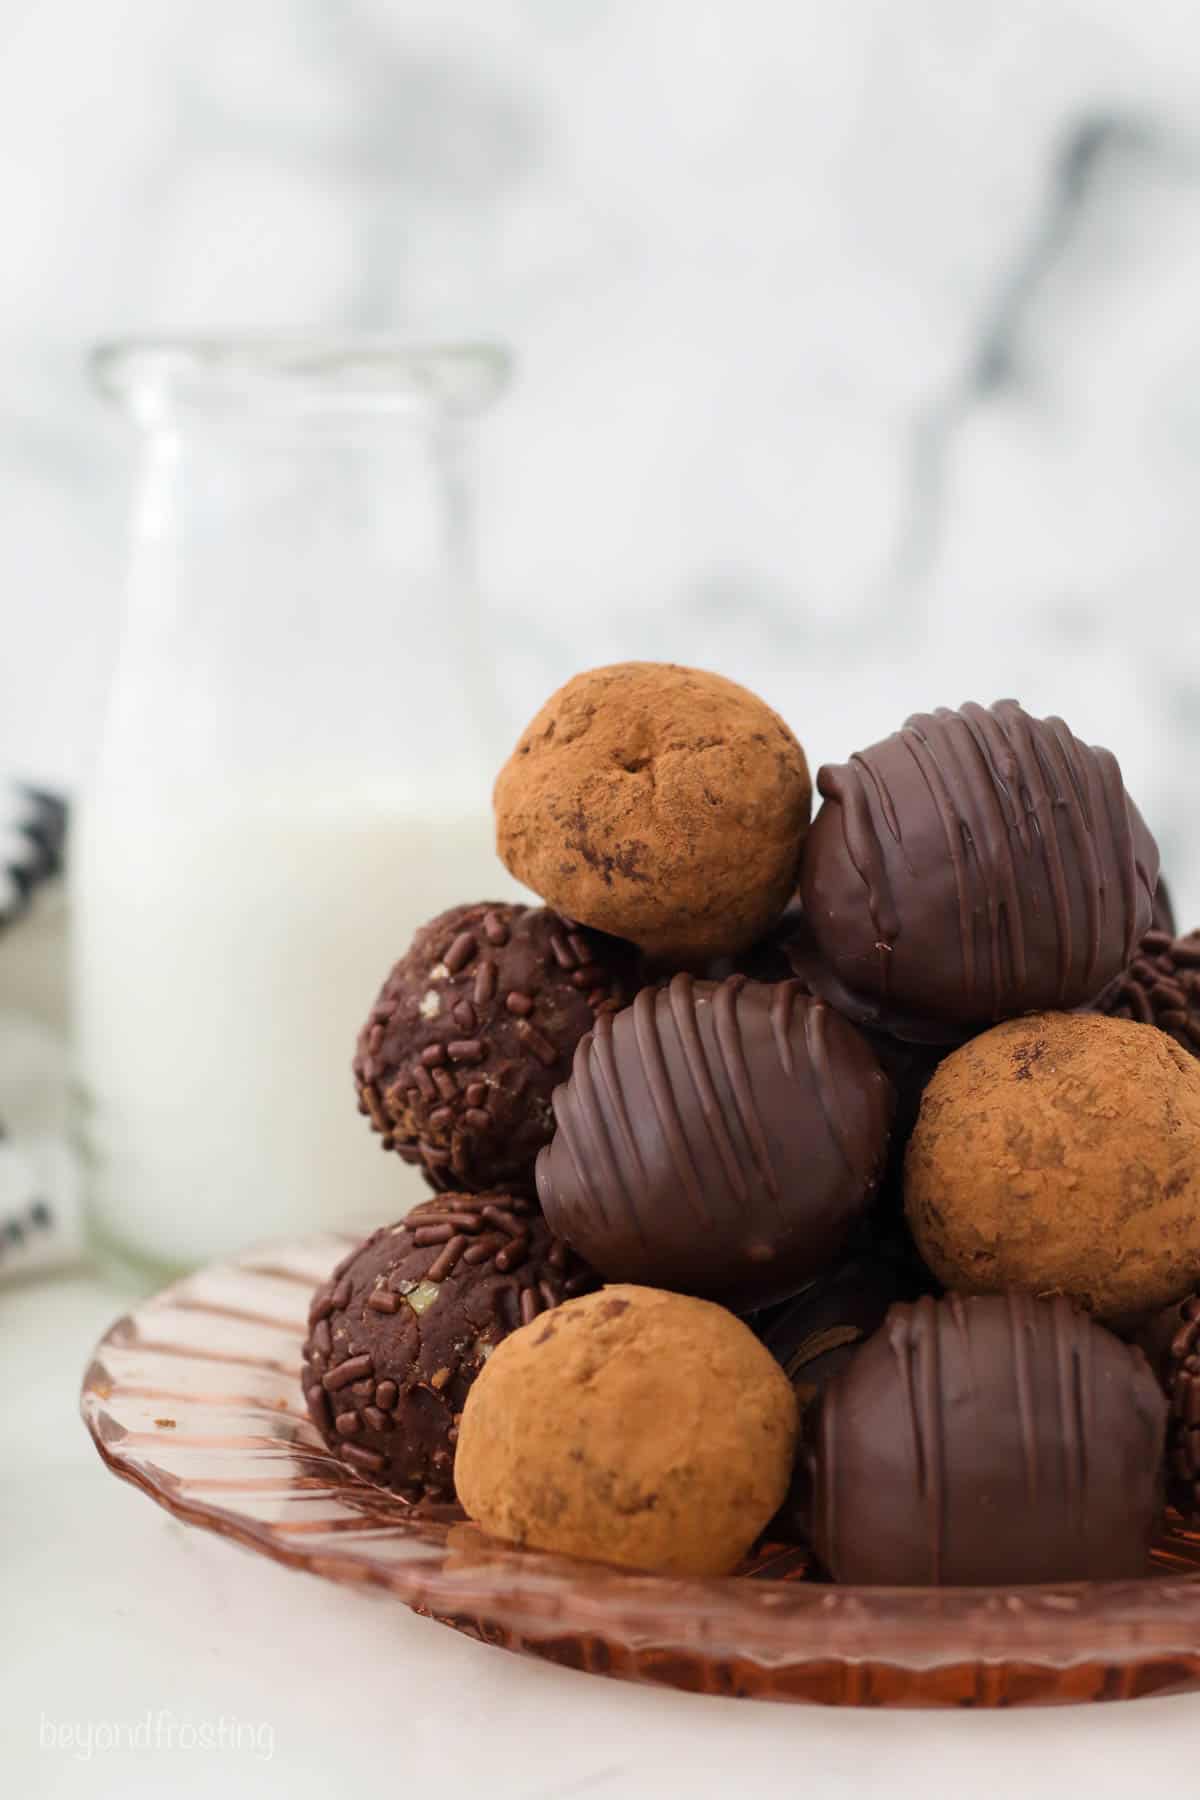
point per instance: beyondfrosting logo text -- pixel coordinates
(159, 1731)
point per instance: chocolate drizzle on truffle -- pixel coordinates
(975, 865)
(999, 1439)
(718, 1138)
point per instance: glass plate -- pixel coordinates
(194, 1398)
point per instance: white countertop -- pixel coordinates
(115, 1616)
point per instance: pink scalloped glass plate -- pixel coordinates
(194, 1398)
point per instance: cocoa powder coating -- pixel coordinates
(1060, 1154)
(660, 804)
(631, 1426)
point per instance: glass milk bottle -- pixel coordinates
(295, 773)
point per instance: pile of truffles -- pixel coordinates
(841, 1182)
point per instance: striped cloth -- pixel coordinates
(40, 1212)
(33, 830)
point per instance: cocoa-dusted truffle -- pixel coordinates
(474, 1029)
(1160, 987)
(632, 1427)
(719, 1138)
(994, 1440)
(1061, 1154)
(662, 804)
(976, 865)
(405, 1323)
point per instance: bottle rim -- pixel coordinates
(155, 378)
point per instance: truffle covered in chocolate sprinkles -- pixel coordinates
(1160, 987)
(717, 1138)
(975, 865)
(474, 1029)
(1172, 1342)
(1000, 1439)
(405, 1323)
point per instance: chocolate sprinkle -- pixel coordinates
(460, 953)
(346, 1372)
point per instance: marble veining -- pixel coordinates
(858, 348)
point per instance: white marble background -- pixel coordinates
(859, 344)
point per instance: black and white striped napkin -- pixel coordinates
(33, 835)
(40, 1212)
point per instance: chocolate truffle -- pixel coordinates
(994, 1440)
(632, 1427)
(719, 1138)
(405, 1323)
(473, 1031)
(662, 804)
(975, 865)
(1160, 987)
(1172, 1342)
(1061, 1154)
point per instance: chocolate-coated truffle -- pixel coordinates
(1061, 1154)
(991, 1440)
(632, 1427)
(719, 1138)
(662, 804)
(405, 1323)
(1160, 987)
(473, 1031)
(975, 865)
